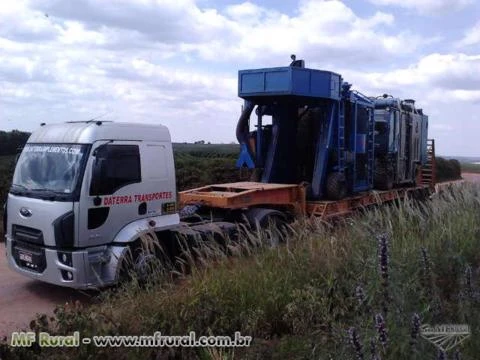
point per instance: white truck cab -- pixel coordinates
(83, 191)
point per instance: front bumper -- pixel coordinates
(80, 269)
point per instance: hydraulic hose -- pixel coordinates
(242, 125)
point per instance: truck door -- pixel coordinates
(107, 202)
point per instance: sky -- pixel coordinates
(176, 62)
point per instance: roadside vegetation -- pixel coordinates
(471, 168)
(448, 169)
(201, 164)
(358, 290)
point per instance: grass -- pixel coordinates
(359, 288)
(470, 168)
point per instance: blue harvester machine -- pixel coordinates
(318, 147)
(321, 131)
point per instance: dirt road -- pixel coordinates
(471, 177)
(22, 298)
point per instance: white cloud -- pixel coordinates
(426, 6)
(441, 77)
(472, 36)
(319, 28)
(243, 31)
(246, 11)
(442, 127)
(175, 62)
(19, 24)
(161, 20)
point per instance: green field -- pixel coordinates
(471, 168)
(206, 150)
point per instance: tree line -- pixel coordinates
(12, 141)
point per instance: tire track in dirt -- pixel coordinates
(471, 177)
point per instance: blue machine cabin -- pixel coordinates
(321, 132)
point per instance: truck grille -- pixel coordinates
(27, 234)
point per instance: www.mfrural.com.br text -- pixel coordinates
(44, 339)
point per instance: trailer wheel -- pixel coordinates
(273, 222)
(383, 177)
(336, 186)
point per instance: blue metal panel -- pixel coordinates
(253, 82)
(289, 81)
(301, 82)
(324, 142)
(361, 144)
(277, 81)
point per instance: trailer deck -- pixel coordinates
(241, 195)
(290, 196)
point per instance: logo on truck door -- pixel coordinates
(136, 198)
(25, 212)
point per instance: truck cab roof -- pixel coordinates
(87, 132)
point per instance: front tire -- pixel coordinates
(142, 261)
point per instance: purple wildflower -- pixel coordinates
(355, 342)
(381, 329)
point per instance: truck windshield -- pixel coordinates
(49, 167)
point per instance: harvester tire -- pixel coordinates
(336, 186)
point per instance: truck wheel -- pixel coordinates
(383, 177)
(336, 186)
(273, 222)
(141, 260)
